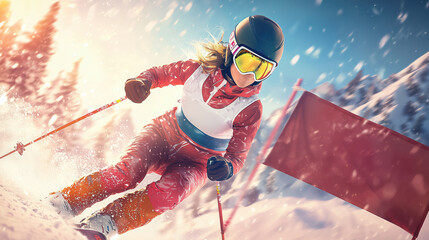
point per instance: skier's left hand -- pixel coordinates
(219, 169)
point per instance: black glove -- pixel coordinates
(137, 90)
(219, 169)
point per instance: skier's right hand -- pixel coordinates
(137, 90)
(219, 169)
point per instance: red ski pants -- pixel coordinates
(160, 148)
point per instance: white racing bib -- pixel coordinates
(207, 126)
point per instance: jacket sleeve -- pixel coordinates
(245, 126)
(171, 74)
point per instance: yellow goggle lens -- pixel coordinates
(248, 62)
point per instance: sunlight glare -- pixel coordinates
(29, 11)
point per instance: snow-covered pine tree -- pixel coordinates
(65, 107)
(29, 64)
(8, 36)
(101, 143)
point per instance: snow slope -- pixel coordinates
(23, 217)
(284, 218)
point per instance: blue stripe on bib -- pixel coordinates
(217, 144)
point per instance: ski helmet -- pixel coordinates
(261, 35)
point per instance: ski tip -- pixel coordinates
(91, 234)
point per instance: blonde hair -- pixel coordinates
(211, 55)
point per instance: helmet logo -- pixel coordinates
(233, 46)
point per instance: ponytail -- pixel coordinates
(213, 55)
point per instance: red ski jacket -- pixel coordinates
(247, 122)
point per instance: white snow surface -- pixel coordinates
(24, 217)
(276, 206)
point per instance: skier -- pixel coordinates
(207, 136)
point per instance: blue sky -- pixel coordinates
(326, 40)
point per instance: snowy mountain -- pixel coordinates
(276, 206)
(399, 102)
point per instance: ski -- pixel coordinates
(91, 234)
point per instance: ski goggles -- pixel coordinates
(248, 62)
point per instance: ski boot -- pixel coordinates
(101, 223)
(62, 207)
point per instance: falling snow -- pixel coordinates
(321, 77)
(295, 59)
(402, 17)
(119, 39)
(358, 66)
(383, 41)
(309, 50)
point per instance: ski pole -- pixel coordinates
(219, 205)
(21, 147)
(264, 150)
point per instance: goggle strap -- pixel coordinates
(233, 46)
